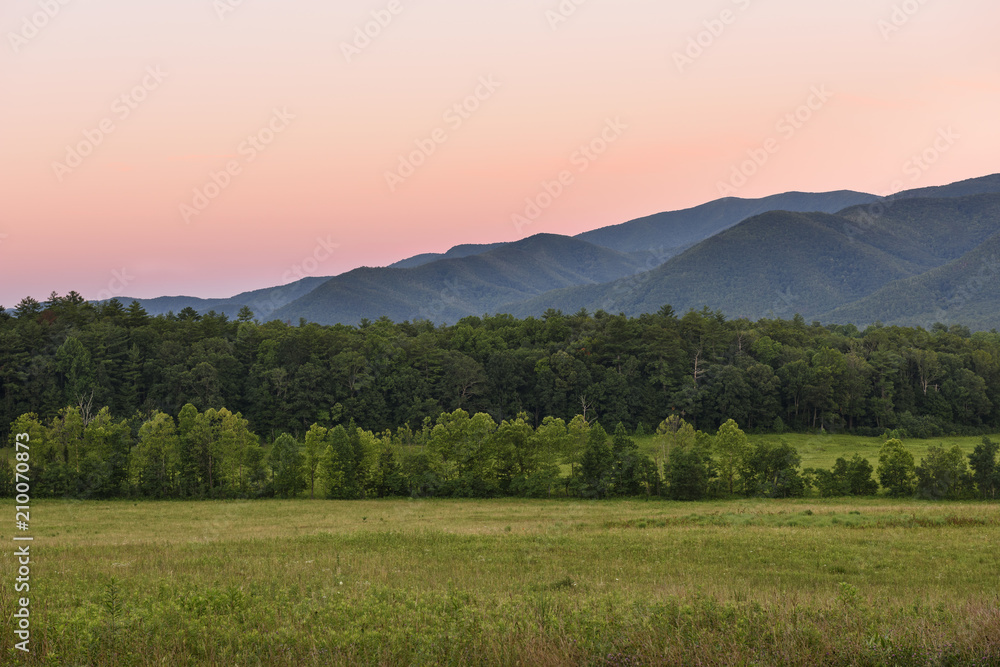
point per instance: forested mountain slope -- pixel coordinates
(781, 263)
(965, 291)
(447, 290)
(676, 230)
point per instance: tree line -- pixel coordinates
(214, 454)
(770, 375)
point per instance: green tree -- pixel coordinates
(341, 463)
(104, 466)
(896, 469)
(596, 464)
(731, 395)
(771, 470)
(689, 471)
(27, 309)
(235, 459)
(136, 316)
(65, 435)
(765, 391)
(390, 478)
(51, 472)
(794, 378)
(27, 424)
(943, 474)
(245, 315)
(859, 477)
(985, 472)
(476, 454)
(673, 432)
(77, 368)
(731, 447)
(286, 466)
(551, 443)
(154, 462)
(195, 437)
(518, 457)
(631, 473)
(847, 478)
(577, 434)
(316, 444)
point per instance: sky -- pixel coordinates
(209, 147)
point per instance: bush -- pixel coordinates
(538, 484)
(924, 426)
(847, 478)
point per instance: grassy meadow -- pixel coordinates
(460, 582)
(822, 451)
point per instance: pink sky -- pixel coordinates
(113, 224)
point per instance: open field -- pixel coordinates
(822, 451)
(807, 582)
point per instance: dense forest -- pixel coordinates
(189, 405)
(768, 375)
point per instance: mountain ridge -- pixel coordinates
(806, 263)
(774, 262)
(448, 289)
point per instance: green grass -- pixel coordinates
(822, 451)
(744, 582)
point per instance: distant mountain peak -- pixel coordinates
(811, 253)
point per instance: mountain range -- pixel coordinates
(781, 263)
(917, 257)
